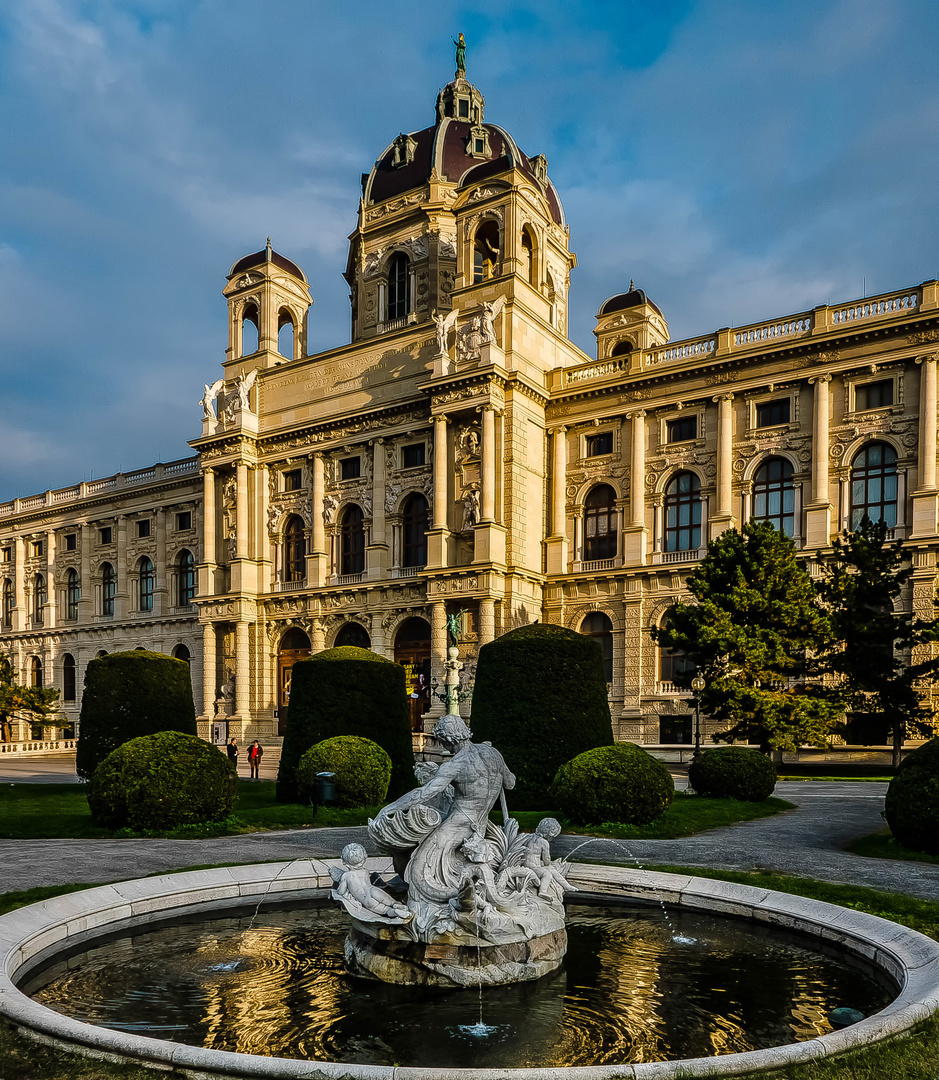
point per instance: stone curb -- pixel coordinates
(31, 935)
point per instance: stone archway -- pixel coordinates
(412, 652)
(294, 645)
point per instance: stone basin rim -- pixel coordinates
(33, 935)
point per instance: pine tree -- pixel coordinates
(873, 637)
(751, 633)
(38, 701)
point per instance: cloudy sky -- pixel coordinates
(740, 160)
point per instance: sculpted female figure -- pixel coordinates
(423, 824)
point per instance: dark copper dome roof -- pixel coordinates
(248, 262)
(630, 299)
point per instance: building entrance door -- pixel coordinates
(412, 652)
(294, 646)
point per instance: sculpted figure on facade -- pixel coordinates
(470, 508)
(207, 401)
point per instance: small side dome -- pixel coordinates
(248, 262)
(622, 301)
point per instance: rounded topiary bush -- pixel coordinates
(129, 694)
(161, 781)
(347, 691)
(912, 803)
(619, 783)
(733, 772)
(362, 768)
(540, 698)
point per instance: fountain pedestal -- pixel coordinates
(390, 954)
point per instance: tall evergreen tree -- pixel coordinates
(873, 636)
(751, 632)
(38, 701)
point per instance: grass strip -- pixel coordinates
(881, 845)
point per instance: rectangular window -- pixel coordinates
(7, 554)
(479, 146)
(464, 108)
(771, 413)
(674, 728)
(412, 456)
(350, 468)
(597, 445)
(143, 528)
(184, 521)
(873, 395)
(105, 534)
(293, 480)
(681, 429)
(37, 548)
(71, 542)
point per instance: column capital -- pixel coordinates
(826, 378)
(929, 358)
(637, 414)
(727, 396)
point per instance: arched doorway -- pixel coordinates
(294, 646)
(412, 652)
(353, 633)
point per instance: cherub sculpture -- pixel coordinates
(355, 891)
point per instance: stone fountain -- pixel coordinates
(472, 903)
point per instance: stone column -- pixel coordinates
(438, 652)
(241, 510)
(488, 498)
(122, 591)
(242, 671)
(440, 472)
(636, 535)
(487, 621)
(86, 600)
(316, 564)
(262, 480)
(209, 663)
(162, 602)
(556, 545)
(318, 636)
(51, 590)
(378, 492)
(818, 513)
(926, 497)
(724, 517)
(207, 570)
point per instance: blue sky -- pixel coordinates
(739, 160)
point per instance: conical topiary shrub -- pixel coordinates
(347, 691)
(540, 699)
(127, 695)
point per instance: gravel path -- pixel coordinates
(805, 841)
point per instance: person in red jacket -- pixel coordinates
(255, 753)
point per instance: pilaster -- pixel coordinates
(556, 546)
(926, 497)
(818, 512)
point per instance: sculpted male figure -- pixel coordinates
(423, 820)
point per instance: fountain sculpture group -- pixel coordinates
(471, 903)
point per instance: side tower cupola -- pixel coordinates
(629, 321)
(268, 301)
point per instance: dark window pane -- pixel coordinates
(350, 468)
(774, 495)
(600, 539)
(682, 429)
(598, 445)
(352, 541)
(683, 513)
(874, 395)
(414, 529)
(293, 480)
(412, 456)
(770, 413)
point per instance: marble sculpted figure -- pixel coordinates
(471, 903)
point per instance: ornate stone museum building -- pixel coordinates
(461, 459)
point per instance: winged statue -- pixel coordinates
(239, 397)
(445, 323)
(491, 312)
(209, 395)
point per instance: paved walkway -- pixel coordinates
(806, 841)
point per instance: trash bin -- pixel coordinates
(324, 789)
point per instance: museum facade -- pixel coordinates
(461, 462)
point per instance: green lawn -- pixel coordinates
(912, 1058)
(50, 811)
(881, 845)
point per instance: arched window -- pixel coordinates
(294, 551)
(774, 497)
(485, 251)
(622, 348)
(108, 589)
(683, 513)
(353, 633)
(145, 578)
(35, 672)
(8, 602)
(185, 578)
(250, 335)
(286, 334)
(414, 523)
(599, 627)
(39, 599)
(675, 667)
(181, 652)
(352, 535)
(874, 485)
(527, 269)
(68, 677)
(600, 524)
(399, 286)
(73, 594)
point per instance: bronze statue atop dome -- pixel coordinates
(460, 72)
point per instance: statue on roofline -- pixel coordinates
(460, 57)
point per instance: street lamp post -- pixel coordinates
(697, 684)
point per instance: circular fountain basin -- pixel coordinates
(33, 937)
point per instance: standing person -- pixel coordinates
(232, 749)
(255, 753)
